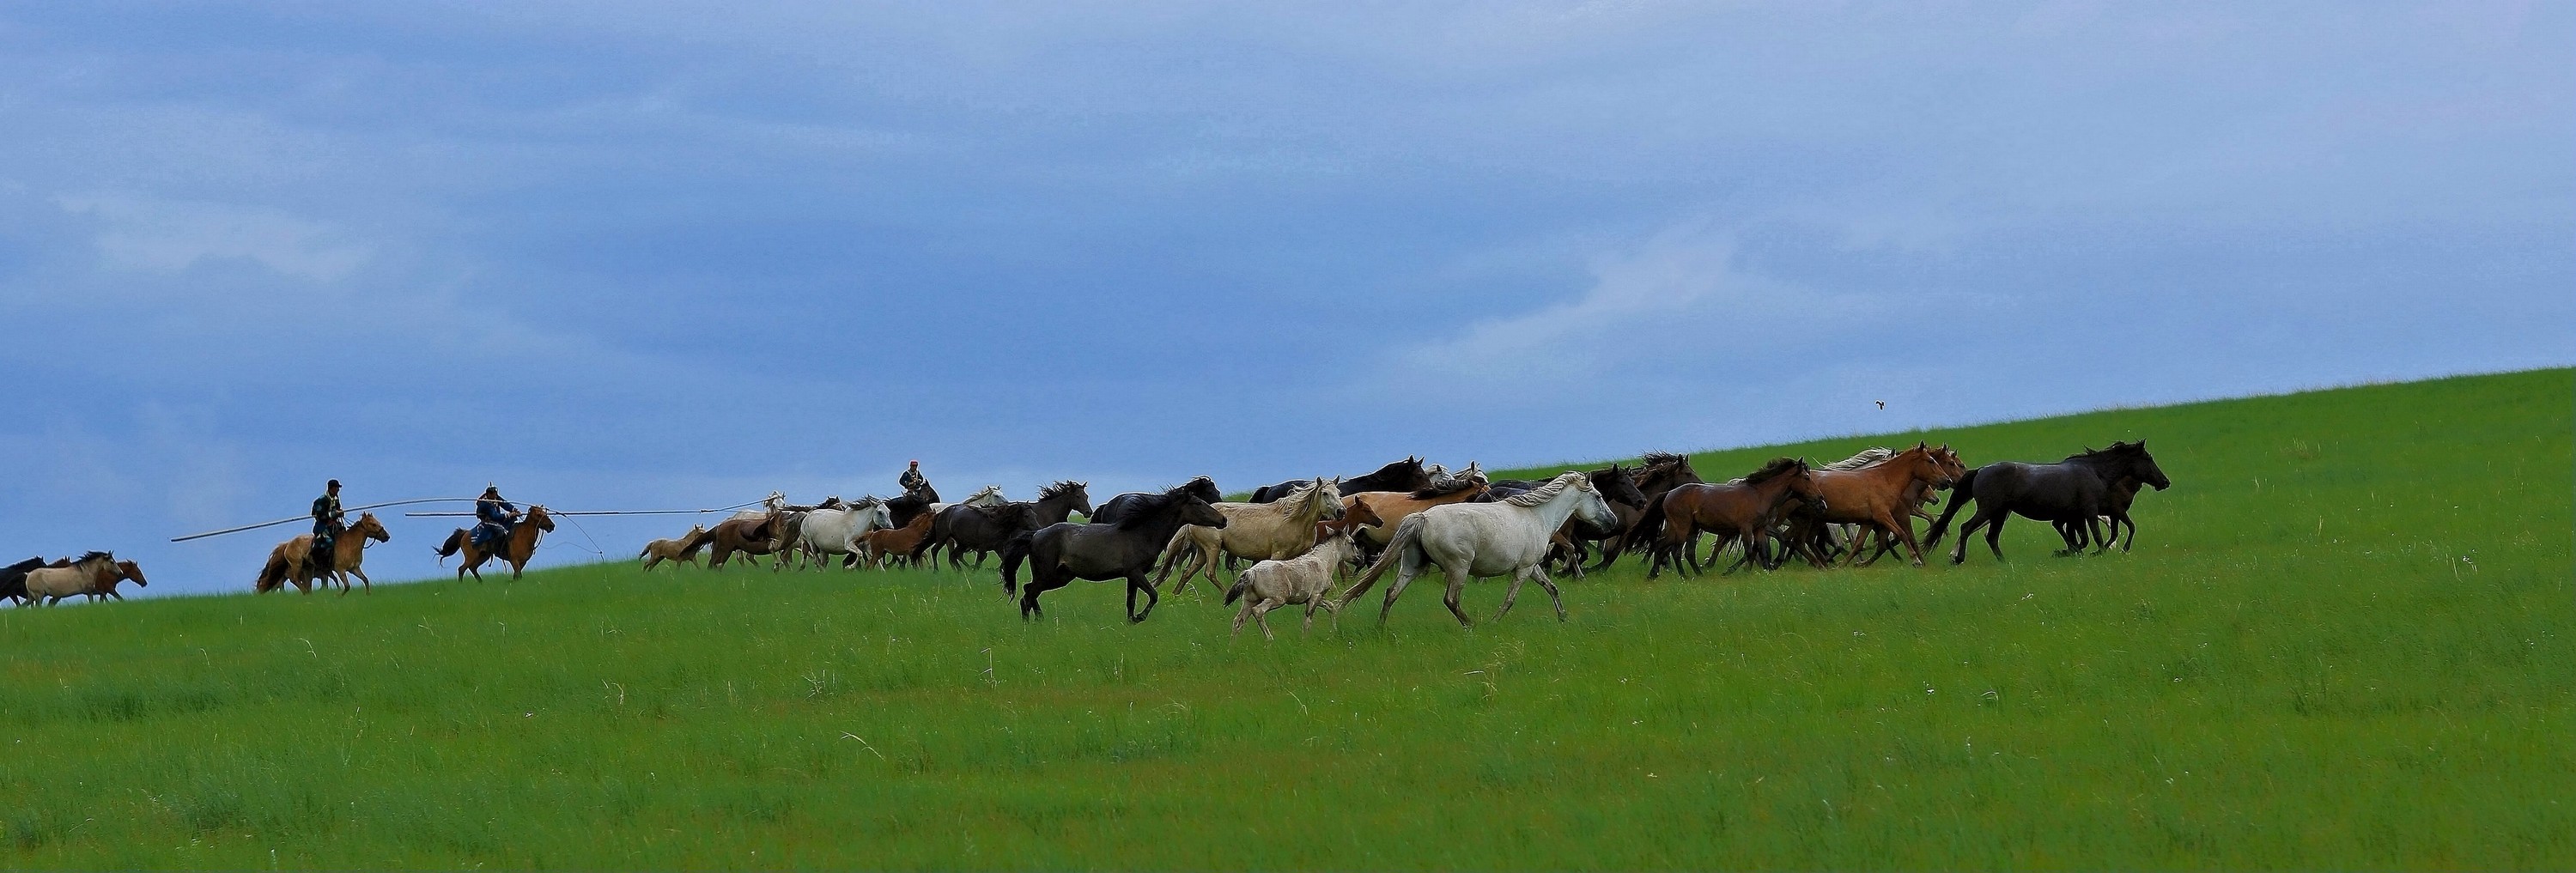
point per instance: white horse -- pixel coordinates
(1306, 579)
(989, 495)
(1483, 540)
(837, 531)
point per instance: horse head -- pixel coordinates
(1618, 486)
(544, 522)
(2143, 465)
(1192, 510)
(127, 570)
(371, 528)
(1926, 465)
(1592, 507)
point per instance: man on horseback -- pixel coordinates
(493, 517)
(912, 480)
(327, 525)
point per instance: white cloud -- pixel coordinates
(1683, 281)
(168, 236)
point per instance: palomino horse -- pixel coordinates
(1060, 553)
(1482, 540)
(286, 563)
(1278, 530)
(1880, 496)
(515, 551)
(2076, 489)
(92, 575)
(677, 551)
(1744, 509)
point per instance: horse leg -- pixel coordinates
(2121, 518)
(1242, 615)
(1405, 570)
(1261, 616)
(1995, 532)
(1553, 596)
(1457, 588)
(363, 580)
(1959, 550)
(1512, 593)
(1136, 580)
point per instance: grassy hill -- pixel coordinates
(2344, 641)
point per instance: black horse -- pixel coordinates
(903, 509)
(1060, 553)
(1657, 475)
(982, 529)
(1404, 475)
(1118, 508)
(2115, 507)
(13, 580)
(2076, 490)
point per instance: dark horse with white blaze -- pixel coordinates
(962, 528)
(1116, 508)
(1060, 553)
(2078, 489)
(1405, 475)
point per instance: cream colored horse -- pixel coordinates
(680, 551)
(93, 575)
(1258, 531)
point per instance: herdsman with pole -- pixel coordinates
(327, 525)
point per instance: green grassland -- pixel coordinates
(2343, 641)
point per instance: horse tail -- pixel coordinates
(447, 549)
(1960, 492)
(1650, 524)
(271, 575)
(1407, 538)
(1013, 553)
(1242, 583)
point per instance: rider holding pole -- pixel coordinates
(493, 518)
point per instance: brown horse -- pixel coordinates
(515, 551)
(1391, 507)
(678, 551)
(1656, 475)
(1877, 498)
(286, 563)
(1734, 511)
(897, 543)
(757, 535)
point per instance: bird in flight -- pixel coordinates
(1882, 404)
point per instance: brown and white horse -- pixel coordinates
(286, 563)
(515, 551)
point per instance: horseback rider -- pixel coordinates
(494, 518)
(328, 523)
(912, 480)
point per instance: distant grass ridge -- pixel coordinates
(2342, 642)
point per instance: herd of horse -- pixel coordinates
(1302, 537)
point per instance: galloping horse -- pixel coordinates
(1115, 508)
(683, 550)
(1062, 552)
(13, 580)
(1409, 474)
(1258, 531)
(837, 531)
(749, 537)
(515, 551)
(1878, 496)
(982, 529)
(1659, 473)
(1394, 506)
(2076, 489)
(1740, 510)
(1483, 540)
(92, 575)
(286, 563)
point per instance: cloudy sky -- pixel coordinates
(632, 254)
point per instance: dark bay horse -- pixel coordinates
(2077, 489)
(981, 529)
(515, 551)
(912, 503)
(1657, 474)
(1405, 475)
(1060, 553)
(1116, 508)
(1736, 511)
(13, 580)
(1617, 484)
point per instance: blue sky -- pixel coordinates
(623, 255)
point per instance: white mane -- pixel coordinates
(1547, 492)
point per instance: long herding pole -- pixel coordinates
(230, 530)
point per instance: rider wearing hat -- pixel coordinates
(327, 525)
(493, 518)
(912, 480)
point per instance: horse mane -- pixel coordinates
(1868, 456)
(1060, 488)
(87, 557)
(2115, 449)
(980, 493)
(1444, 487)
(999, 512)
(28, 564)
(1772, 469)
(1543, 493)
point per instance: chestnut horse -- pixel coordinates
(1392, 506)
(286, 563)
(1741, 510)
(515, 551)
(1880, 497)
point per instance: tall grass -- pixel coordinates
(2342, 642)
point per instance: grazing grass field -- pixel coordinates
(2344, 641)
